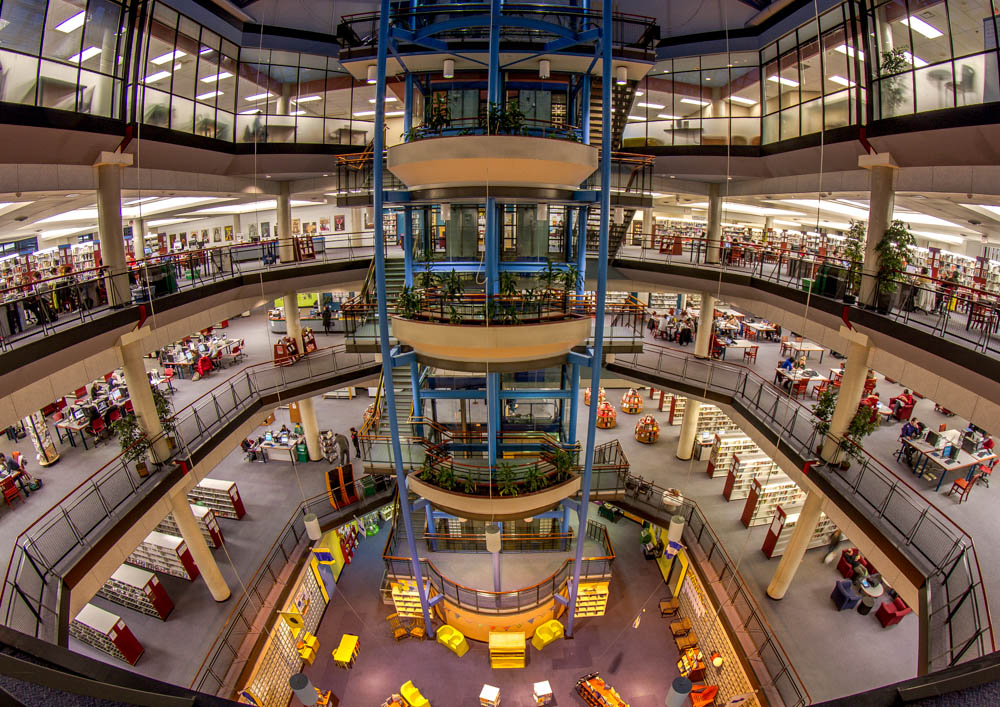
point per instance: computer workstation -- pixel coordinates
(937, 454)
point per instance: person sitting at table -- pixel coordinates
(298, 429)
(284, 430)
(651, 324)
(662, 326)
(95, 391)
(14, 467)
(684, 332)
(788, 364)
(801, 363)
(909, 431)
(900, 401)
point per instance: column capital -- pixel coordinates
(122, 159)
(854, 336)
(134, 336)
(882, 159)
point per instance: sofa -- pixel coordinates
(548, 632)
(452, 639)
(844, 596)
(890, 613)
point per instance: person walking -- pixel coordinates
(345, 452)
(357, 443)
(327, 319)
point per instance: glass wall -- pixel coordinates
(62, 54)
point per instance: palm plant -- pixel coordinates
(408, 303)
(533, 480)
(854, 253)
(508, 284)
(505, 480)
(894, 251)
(452, 286)
(550, 275)
(134, 443)
(446, 478)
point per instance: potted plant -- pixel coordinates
(451, 284)
(446, 478)
(508, 285)
(164, 412)
(892, 63)
(533, 479)
(894, 251)
(133, 441)
(439, 116)
(854, 253)
(823, 412)
(862, 424)
(408, 303)
(468, 485)
(570, 277)
(427, 472)
(454, 317)
(505, 480)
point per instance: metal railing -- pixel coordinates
(958, 609)
(228, 652)
(45, 551)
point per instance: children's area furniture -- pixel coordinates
(347, 651)
(507, 649)
(595, 692)
(400, 630)
(411, 695)
(308, 647)
(548, 632)
(601, 396)
(607, 416)
(844, 596)
(680, 628)
(542, 692)
(703, 695)
(631, 402)
(647, 430)
(669, 607)
(489, 696)
(452, 639)
(890, 613)
(691, 664)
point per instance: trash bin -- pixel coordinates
(866, 605)
(301, 452)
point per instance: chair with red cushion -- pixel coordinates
(800, 388)
(129, 407)
(97, 430)
(890, 613)
(10, 492)
(904, 412)
(964, 486)
(115, 415)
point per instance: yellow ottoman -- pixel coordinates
(452, 639)
(547, 633)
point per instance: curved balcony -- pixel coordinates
(496, 507)
(497, 160)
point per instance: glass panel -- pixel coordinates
(310, 130)
(929, 31)
(204, 119)
(19, 79)
(971, 76)
(772, 89)
(57, 86)
(64, 22)
(810, 71)
(745, 131)
(101, 33)
(22, 26)
(310, 99)
(838, 71)
(224, 125)
(788, 79)
(715, 131)
(182, 115)
(812, 116)
(769, 128)
(249, 128)
(896, 93)
(790, 123)
(935, 87)
(185, 67)
(156, 108)
(838, 110)
(96, 93)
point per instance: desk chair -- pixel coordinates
(800, 388)
(784, 345)
(819, 389)
(114, 416)
(10, 492)
(984, 474)
(750, 355)
(98, 430)
(80, 393)
(703, 695)
(964, 486)
(689, 640)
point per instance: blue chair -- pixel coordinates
(844, 595)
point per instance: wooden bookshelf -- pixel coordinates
(783, 523)
(406, 599)
(106, 632)
(765, 497)
(139, 590)
(221, 496)
(592, 599)
(744, 468)
(724, 446)
(164, 553)
(206, 521)
(507, 649)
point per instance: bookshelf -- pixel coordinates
(594, 691)
(206, 521)
(745, 467)
(765, 497)
(631, 402)
(139, 590)
(592, 599)
(221, 496)
(725, 445)
(783, 523)
(607, 416)
(406, 599)
(712, 419)
(601, 396)
(507, 649)
(647, 429)
(677, 407)
(106, 632)
(164, 553)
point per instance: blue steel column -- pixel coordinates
(493, 86)
(493, 416)
(408, 100)
(585, 110)
(581, 249)
(408, 245)
(383, 312)
(491, 244)
(431, 525)
(602, 286)
(574, 403)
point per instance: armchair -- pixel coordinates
(452, 639)
(844, 596)
(547, 633)
(411, 695)
(890, 613)
(904, 412)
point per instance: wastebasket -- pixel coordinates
(866, 605)
(301, 452)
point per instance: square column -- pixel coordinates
(109, 224)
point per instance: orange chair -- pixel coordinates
(750, 355)
(821, 388)
(784, 345)
(800, 388)
(964, 486)
(703, 695)
(10, 492)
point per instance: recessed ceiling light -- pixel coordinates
(783, 81)
(72, 196)
(210, 94)
(87, 53)
(695, 102)
(836, 78)
(267, 176)
(169, 56)
(708, 78)
(363, 113)
(388, 99)
(252, 111)
(395, 113)
(921, 27)
(742, 101)
(307, 99)
(640, 93)
(158, 76)
(206, 50)
(850, 51)
(667, 116)
(216, 77)
(915, 60)
(655, 106)
(297, 112)
(636, 117)
(259, 96)
(73, 23)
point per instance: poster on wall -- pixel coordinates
(338, 222)
(309, 228)
(183, 239)
(253, 232)
(369, 224)
(324, 225)
(217, 235)
(296, 226)
(265, 230)
(204, 235)
(229, 233)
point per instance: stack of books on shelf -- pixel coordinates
(206, 522)
(221, 496)
(765, 497)
(724, 446)
(745, 467)
(106, 632)
(164, 553)
(139, 590)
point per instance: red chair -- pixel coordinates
(10, 492)
(80, 393)
(129, 407)
(964, 486)
(800, 388)
(819, 389)
(703, 695)
(904, 412)
(97, 430)
(984, 474)
(890, 613)
(750, 354)
(109, 376)
(869, 386)
(60, 404)
(115, 415)
(168, 373)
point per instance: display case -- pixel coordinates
(139, 590)
(592, 599)
(724, 446)
(164, 553)
(783, 523)
(106, 632)
(647, 429)
(744, 468)
(632, 402)
(765, 497)
(206, 522)
(607, 416)
(221, 496)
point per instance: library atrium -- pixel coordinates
(452, 353)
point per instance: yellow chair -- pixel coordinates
(453, 639)
(547, 633)
(412, 695)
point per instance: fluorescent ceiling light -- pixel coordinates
(143, 200)
(640, 93)
(269, 205)
(742, 101)
(850, 51)
(637, 117)
(667, 116)
(783, 222)
(915, 60)
(216, 77)
(169, 204)
(206, 96)
(922, 219)
(88, 53)
(395, 113)
(158, 76)
(921, 27)
(388, 99)
(695, 102)
(252, 111)
(73, 23)
(831, 206)
(783, 81)
(989, 208)
(363, 113)
(59, 232)
(169, 56)
(738, 208)
(956, 240)
(259, 96)
(852, 202)
(655, 106)
(206, 50)
(307, 99)
(297, 112)
(836, 78)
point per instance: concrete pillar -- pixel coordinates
(109, 224)
(852, 387)
(286, 248)
(797, 545)
(883, 197)
(647, 227)
(141, 395)
(768, 226)
(139, 238)
(685, 444)
(714, 232)
(706, 319)
(307, 411)
(293, 323)
(237, 228)
(284, 99)
(195, 541)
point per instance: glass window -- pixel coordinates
(64, 22)
(97, 93)
(788, 79)
(100, 37)
(19, 79)
(21, 26)
(57, 86)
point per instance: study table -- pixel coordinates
(795, 376)
(71, 426)
(738, 344)
(283, 449)
(929, 456)
(805, 347)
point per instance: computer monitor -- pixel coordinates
(953, 451)
(116, 394)
(203, 349)
(970, 445)
(284, 438)
(189, 356)
(78, 414)
(932, 438)
(102, 405)
(268, 437)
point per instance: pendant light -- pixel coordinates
(544, 69)
(621, 75)
(372, 73)
(449, 68)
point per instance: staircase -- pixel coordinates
(395, 278)
(616, 231)
(621, 103)
(404, 400)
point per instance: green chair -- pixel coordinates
(547, 633)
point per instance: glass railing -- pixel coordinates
(47, 549)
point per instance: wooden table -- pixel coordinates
(72, 426)
(347, 651)
(929, 455)
(738, 344)
(288, 449)
(806, 347)
(794, 376)
(757, 328)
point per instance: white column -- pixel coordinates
(286, 248)
(689, 425)
(293, 323)
(768, 226)
(706, 319)
(852, 387)
(195, 541)
(307, 411)
(880, 206)
(237, 229)
(109, 224)
(141, 395)
(802, 534)
(714, 231)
